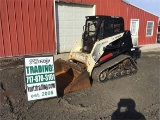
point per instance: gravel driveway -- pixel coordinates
(134, 97)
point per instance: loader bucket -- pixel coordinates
(69, 77)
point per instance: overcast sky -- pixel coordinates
(152, 6)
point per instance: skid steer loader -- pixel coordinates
(105, 52)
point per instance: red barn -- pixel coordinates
(48, 26)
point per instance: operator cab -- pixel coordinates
(100, 27)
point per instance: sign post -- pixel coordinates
(40, 77)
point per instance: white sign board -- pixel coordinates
(40, 77)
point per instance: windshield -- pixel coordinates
(91, 26)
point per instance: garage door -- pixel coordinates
(70, 19)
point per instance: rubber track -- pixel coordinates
(115, 61)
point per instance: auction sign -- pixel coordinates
(40, 77)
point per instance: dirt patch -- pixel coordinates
(7, 63)
(136, 95)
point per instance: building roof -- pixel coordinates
(127, 2)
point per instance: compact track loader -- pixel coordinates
(105, 52)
